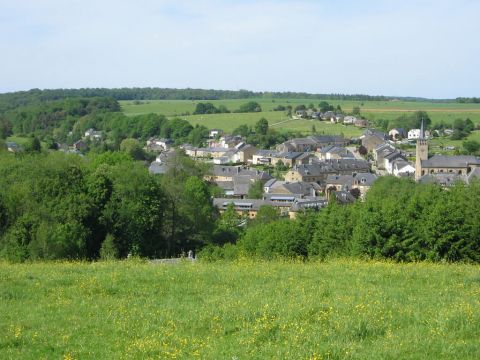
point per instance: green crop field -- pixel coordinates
(372, 110)
(340, 309)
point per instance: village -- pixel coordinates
(309, 172)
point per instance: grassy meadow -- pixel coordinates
(372, 110)
(340, 309)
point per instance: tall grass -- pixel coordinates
(340, 309)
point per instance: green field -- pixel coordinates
(342, 309)
(372, 110)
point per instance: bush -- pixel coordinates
(109, 251)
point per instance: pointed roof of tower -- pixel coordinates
(422, 131)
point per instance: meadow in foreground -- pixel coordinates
(242, 310)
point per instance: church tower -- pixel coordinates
(421, 152)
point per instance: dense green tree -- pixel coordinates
(205, 108)
(471, 147)
(333, 232)
(261, 126)
(198, 135)
(325, 106)
(133, 148)
(256, 190)
(265, 214)
(242, 130)
(356, 110)
(33, 145)
(198, 211)
(5, 128)
(251, 106)
(279, 238)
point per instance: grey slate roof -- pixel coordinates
(344, 197)
(267, 153)
(223, 170)
(343, 180)
(301, 188)
(365, 179)
(460, 161)
(332, 166)
(443, 179)
(291, 203)
(157, 168)
(394, 155)
(289, 155)
(241, 184)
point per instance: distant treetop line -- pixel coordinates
(19, 98)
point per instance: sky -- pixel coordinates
(420, 48)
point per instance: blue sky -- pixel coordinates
(406, 48)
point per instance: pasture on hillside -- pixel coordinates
(339, 309)
(372, 110)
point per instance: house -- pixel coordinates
(332, 152)
(215, 133)
(311, 143)
(397, 134)
(154, 144)
(372, 138)
(299, 189)
(92, 134)
(414, 134)
(339, 182)
(80, 145)
(300, 114)
(262, 157)
(389, 160)
(380, 152)
(249, 207)
(360, 181)
(226, 141)
(318, 172)
(287, 206)
(402, 168)
(242, 153)
(157, 168)
(302, 205)
(13, 147)
(342, 197)
(227, 173)
(164, 162)
(349, 120)
(328, 115)
(291, 158)
(363, 182)
(361, 123)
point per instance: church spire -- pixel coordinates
(422, 131)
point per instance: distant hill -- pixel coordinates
(13, 100)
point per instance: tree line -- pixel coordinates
(65, 121)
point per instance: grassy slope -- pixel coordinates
(247, 310)
(371, 109)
